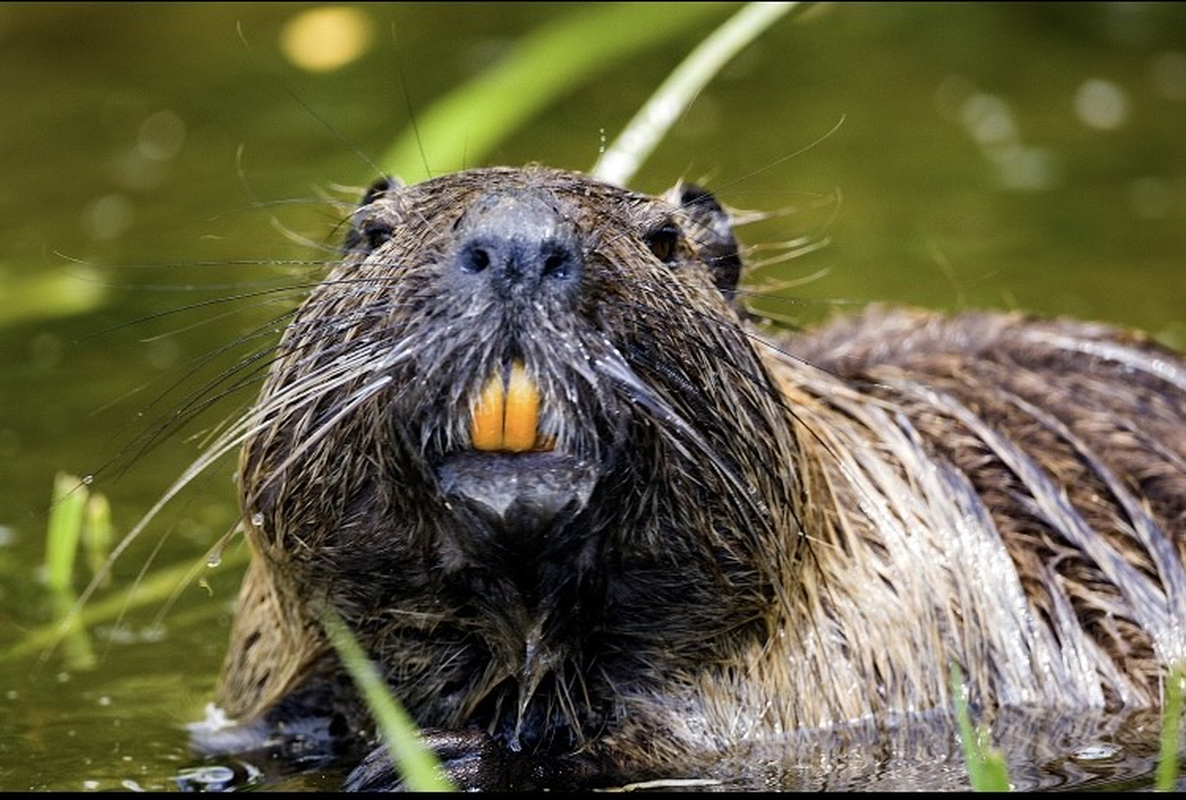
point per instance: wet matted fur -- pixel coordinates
(725, 533)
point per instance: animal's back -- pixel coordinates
(1019, 484)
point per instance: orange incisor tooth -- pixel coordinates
(507, 418)
(522, 411)
(486, 425)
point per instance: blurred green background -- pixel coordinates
(165, 157)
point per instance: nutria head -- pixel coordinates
(522, 416)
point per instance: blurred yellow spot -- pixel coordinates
(325, 38)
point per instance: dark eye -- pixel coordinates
(367, 236)
(368, 228)
(663, 242)
(375, 234)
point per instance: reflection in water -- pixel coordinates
(1043, 751)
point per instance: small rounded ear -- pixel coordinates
(713, 235)
(367, 231)
(380, 187)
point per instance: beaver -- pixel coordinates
(595, 523)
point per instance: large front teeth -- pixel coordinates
(506, 417)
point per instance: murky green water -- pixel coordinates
(154, 159)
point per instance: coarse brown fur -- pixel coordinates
(738, 532)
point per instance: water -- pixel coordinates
(1022, 156)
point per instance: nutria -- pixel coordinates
(593, 523)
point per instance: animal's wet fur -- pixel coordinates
(781, 531)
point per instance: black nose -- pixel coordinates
(517, 245)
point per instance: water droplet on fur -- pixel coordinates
(1098, 752)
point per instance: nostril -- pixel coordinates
(476, 259)
(557, 264)
(516, 244)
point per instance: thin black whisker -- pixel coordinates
(312, 112)
(265, 205)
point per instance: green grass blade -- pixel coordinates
(77, 651)
(1171, 728)
(63, 531)
(417, 765)
(157, 587)
(62, 535)
(463, 128)
(98, 533)
(648, 127)
(987, 770)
